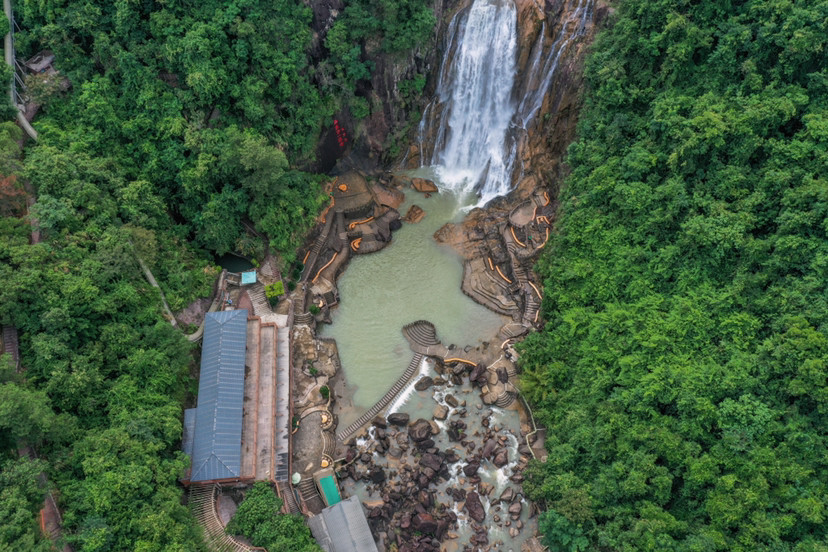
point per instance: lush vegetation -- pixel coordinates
(682, 371)
(188, 130)
(259, 520)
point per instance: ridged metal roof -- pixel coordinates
(218, 420)
(343, 528)
(189, 430)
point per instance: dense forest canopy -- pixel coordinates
(682, 371)
(189, 130)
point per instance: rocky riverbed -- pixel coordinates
(450, 480)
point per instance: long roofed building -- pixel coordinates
(214, 429)
(240, 430)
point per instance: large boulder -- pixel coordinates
(424, 523)
(501, 458)
(474, 507)
(471, 468)
(377, 474)
(398, 418)
(423, 185)
(502, 375)
(478, 375)
(440, 412)
(423, 383)
(387, 196)
(414, 215)
(419, 430)
(432, 461)
(489, 449)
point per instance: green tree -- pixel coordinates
(259, 520)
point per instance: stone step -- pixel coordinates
(505, 400)
(304, 319)
(290, 499)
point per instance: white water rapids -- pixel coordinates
(476, 133)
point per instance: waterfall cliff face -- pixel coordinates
(502, 59)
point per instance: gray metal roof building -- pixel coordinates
(343, 528)
(216, 435)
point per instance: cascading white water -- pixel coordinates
(476, 134)
(471, 149)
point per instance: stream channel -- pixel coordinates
(415, 278)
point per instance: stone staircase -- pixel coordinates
(392, 393)
(303, 319)
(261, 306)
(513, 330)
(532, 301)
(533, 305)
(316, 248)
(328, 444)
(286, 492)
(505, 399)
(421, 333)
(310, 495)
(203, 504)
(300, 314)
(479, 289)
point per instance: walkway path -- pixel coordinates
(203, 504)
(310, 260)
(214, 306)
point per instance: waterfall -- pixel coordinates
(471, 151)
(475, 120)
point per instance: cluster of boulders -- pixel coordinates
(409, 466)
(406, 512)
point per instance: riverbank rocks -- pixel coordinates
(414, 214)
(398, 419)
(440, 412)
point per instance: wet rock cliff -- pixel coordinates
(382, 138)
